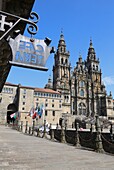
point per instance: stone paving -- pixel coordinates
(23, 152)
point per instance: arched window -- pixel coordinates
(82, 109)
(97, 68)
(82, 83)
(67, 98)
(61, 60)
(81, 92)
(66, 61)
(93, 67)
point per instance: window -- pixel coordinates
(52, 100)
(46, 104)
(53, 113)
(36, 104)
(60, 106)
(82, 109)
(59, 101)
(37, 99)
(23, 108)
(46, 112)
(61, 60)
(24, 91)
(67, 98)
(23, 103)
(97, 68)
(46, 100)
(52, 105)
(109, 102)
(82, 83)
(24, 97)
(93, 67)
(81, 92)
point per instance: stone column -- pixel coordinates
(77, 141)
(21, 126)
(38, 132)
(44, 135)
(33, 127)
(51, 133)
(98, 140)
(29, 130)
(111, 132)
(26, 127)
(63, 140)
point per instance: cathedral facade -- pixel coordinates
(82, 89)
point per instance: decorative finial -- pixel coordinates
(91, 44)
(61, 30)
(62, 36)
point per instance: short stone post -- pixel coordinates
(38, 132)
(21, 126)
(91, 128)
(18, 126)
(65, 125)
(98, 140)
(26, 127)
(33, 127)
(63, 140)
(77, 141)
(29, 130)
(111, 132)
(44, 134)
(57, 127)
(51, 133)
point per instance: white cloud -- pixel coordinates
(108, 80)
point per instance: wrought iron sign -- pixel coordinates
(26, 52)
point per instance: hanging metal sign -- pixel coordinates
(31, 53)
(26, 52)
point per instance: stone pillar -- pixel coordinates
(65, 125)
(63, 140)
(26, 127)
(38, 132)
(98, 140)
(33, 127)
(77, 141)
(21, 126)
(57, 127)
(91, 128)
(29, 130)
(51, 133)
(111, 132)
(44, 135)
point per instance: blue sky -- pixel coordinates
(80, 21)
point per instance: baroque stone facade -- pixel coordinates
(73, 93)
(82, 89)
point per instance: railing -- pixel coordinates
(96, 140)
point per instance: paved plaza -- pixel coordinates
(23, 152)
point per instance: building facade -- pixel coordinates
(72, 93)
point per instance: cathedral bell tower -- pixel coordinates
(92, 64)
(61, 73)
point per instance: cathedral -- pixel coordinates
(74, 94)
(82, 89)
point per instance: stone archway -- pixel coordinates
(12, 108)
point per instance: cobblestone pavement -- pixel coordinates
(23, 152)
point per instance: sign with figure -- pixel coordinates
(28, 52)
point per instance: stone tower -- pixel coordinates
(88, 93)
(61, 74)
